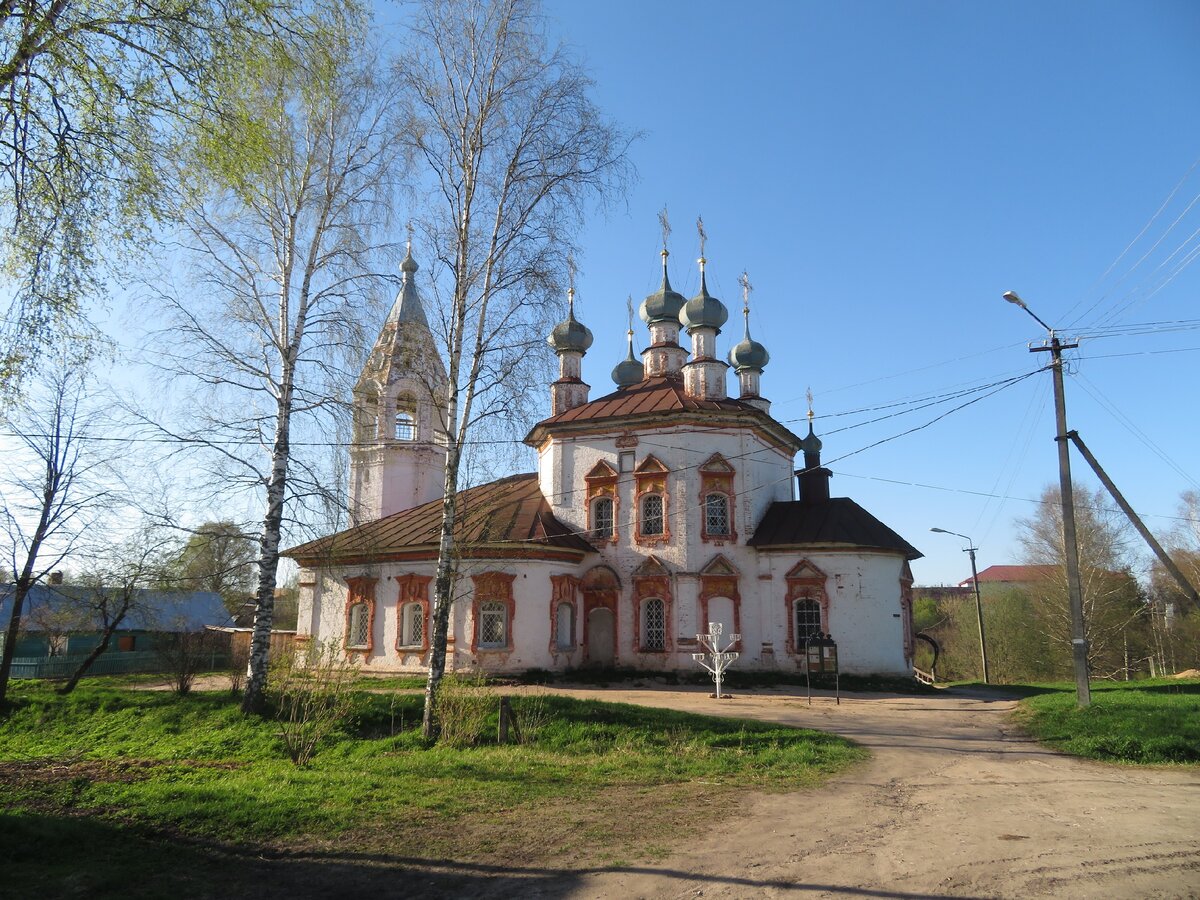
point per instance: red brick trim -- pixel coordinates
(413, 589)
(493, 586)
(646, 587)
(602, 483)
(716, 477)
(650, 477)
(564, 589)
(361, 589)
(805, 581)
(721, 585)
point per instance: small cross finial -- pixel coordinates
(409, 228)
(665, 224)
(571, 283)
(809, 395)
(747, 287)
(703, 240)
(629, 310)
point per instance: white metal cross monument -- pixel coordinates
(716, 658)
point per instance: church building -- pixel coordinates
(656, 509)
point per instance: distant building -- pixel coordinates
(657, 509)
(997, 577)
(59, 620)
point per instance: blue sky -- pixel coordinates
(885, 171)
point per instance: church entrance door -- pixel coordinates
(600, 637)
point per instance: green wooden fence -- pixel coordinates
(106, 664)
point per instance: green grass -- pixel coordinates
(1151, 722)
(136, 766)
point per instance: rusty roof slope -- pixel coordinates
(653, 398)
(1014, 574)
(836, 521)
(654, 395)
(509, 511)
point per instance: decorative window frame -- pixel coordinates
(601, 589)
(360, 589)
(413, 588)
(493, 586)
(651, 580)
(719, 578)
(805, 581)
(601, 484)
(564, 590)
(716, 477)
(650, 477)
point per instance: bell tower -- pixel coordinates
(398, 455)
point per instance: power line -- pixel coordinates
(950, 490)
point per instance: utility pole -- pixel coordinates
(970, 551)
(1079, 645)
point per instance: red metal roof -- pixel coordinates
(511, 511)
(1013, 575)
(651, 400)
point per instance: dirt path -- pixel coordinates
(954, 803)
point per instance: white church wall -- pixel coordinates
(863, 613)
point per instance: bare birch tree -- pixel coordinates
(512, 148)
(1112, 601)
(290, 188)
(48, 491)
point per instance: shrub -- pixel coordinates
(185, 654)
(310, 691)
(464, 706)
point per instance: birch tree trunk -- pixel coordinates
(292, 187)
(512, 148)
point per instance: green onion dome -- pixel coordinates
(570, 335)
(704, 310)
(665, 303)
(628, 371)
(748, 353)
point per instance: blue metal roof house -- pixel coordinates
(57, 619)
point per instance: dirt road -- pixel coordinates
(954, 803)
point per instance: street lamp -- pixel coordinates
(978, 602)
(1079, 648)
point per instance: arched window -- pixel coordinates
(412, 625)
(654, 624)
(493, 624)
(808, 618)
(652, 514)
(602, 518)
(406, 426)
(716, 514)
(358, 626)
(564, 626)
